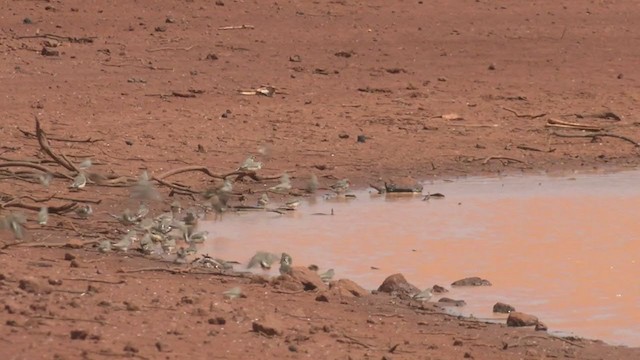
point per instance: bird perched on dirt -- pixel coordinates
(126, 242)
(424, 295)
(327, 276)
(45, 179)
(79, 182)
(43, 216)
(312, 185)
(233, 293)
(341, 186)
(84, 211)
(104, 246)
(181, 256)
(250, 165)
(291, 204)
(285, 264)
(263, 200)
(198, 237)
(283, 186)
(263, 259)
(146, 244)
(14, 221)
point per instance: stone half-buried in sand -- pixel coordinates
(396, 284)
(300, 278)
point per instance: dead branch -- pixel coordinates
(595, 136)
(156, 269)
(530, 116)
(89, 140)
(44, 144)
(68, 319)
(187, 169)
(77, 40)
(237, 27)
(489, 158)
(570, 125)
(170, 48)
(529, 148)
(96, 280)
(52, 210)
(34, 166)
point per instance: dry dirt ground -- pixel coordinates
(436, 88)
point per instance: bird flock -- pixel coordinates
(175, 232)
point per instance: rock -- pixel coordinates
(471, 281)
(69, 256)
(503, 308)
(336, 294)
(78, 334)
(540, 326)
(309, 279)
(437, 289)
(350, 286)
(517, 319)
(397, 284)
(268, 325)
(33, 286)
(451, 302)
(218, 320)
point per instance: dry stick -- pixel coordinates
(566, 124)
(356, 341)
(52, 210)
(80, 40)
(237, 27)
(96, 280)
(529, 148)
(187, 169)
(524, 115)
(44, 144)
(489, 158)
(172, 271)
(593, 136)
(69, 319)
(89, 140)
(170, 48)
(34, 166)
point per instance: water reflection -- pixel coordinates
(564, 249)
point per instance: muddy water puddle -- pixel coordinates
(565, 249)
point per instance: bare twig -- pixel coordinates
(489, 158)
(570, 125)
(170, 48)
(237, 27)
(534, 116)
(52, 210)
(89, 140)
(44, 144)
(78, 40)
(96, 280)
(595, 136)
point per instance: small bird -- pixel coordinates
(250, 165)
(176, 209)
(85, 164)
(227, 186)
(341, 186)
(263, 201)
(144, 189)
(45, 179)
(292, 204)
(285, 263)
(104, 246)
(327, 275)
(192, 249)
(312, 186)
(146, 244)
(43, 216)
(181, 256)
(168, 244)
(84, 211)
(283, 186)
(126, 242)
(190, 219)
(233, 293)
(424, 295)
(263, 259)
(198, 237)
(79, 182)
(14, 222)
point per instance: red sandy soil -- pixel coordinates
(158, 86)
